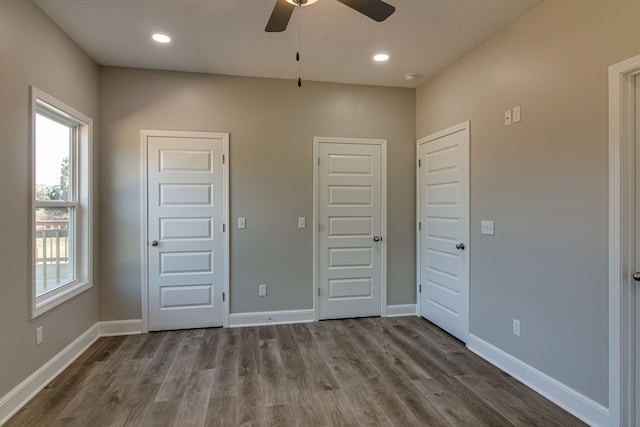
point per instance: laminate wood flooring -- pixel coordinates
(358, 372)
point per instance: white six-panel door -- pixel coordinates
(443, 247)
(186, 191)
(350, 207)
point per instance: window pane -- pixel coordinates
(54, 248)
(53, 149)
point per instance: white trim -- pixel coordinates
(621, 247)
(466, 127)
(581, 406)
(13, 401)
(271, 318)
(144, 230)
(401, 310)
(144, 135)
(120, 327)
(317, 140)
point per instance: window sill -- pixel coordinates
(45, 302)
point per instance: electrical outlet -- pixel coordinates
(507, 117)
(39, 335)
(486, 227)
(516, 327)
(262, 290)
(302, 222)
(242, 222)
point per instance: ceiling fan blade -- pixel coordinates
(374, 9)
(280, 16)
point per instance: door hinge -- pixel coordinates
(318, 161)
(420, 225)
(318, 291)
(223, 158)
(319, 227)
(420, 289)
(224, 228)
(223, 296)
(419, 163)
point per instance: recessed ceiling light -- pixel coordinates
(381, 57)
(161, 38)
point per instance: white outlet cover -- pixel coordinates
(262, 290)
(487, 228)
(302, 222)
(242, 222)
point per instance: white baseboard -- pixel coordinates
(401, 310)
(13, 401)
(576, 403)
(271, 318)
(120, 327)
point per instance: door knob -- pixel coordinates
(154, 243)
(460, 246)
(636, 276)
(377, 238)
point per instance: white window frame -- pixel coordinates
(80, 173)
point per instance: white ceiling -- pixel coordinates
(336, 43)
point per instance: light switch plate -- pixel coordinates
(302, 222)
(516, 114)
(486, 227)
(262, 290)
(242, 222)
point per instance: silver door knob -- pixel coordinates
(377, 238)
(636, 276)
(460, 246)
(154, 243)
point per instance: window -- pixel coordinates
(61, 186)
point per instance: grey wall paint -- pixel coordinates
(544, 181)
(271, 124)
(34, 52)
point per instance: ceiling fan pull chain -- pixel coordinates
(298, 52)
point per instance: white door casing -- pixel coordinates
(443, 229)
(635, 285)
(185, 209)
(622, 244)
(349, 227)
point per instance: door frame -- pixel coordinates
(144, 290)
(317, 140)
(464, 126)
(622, 175)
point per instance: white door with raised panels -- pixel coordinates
(443, 209)
(186, 192)
(350, 204)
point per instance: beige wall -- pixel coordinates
(544, 181)
(271, 124)
(33, 51)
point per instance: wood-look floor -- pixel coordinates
(374, 371)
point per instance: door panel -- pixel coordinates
(443, 210)
(185, 215)
(350, 215)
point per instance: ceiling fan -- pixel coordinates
(374, 9)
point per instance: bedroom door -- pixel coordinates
(186, 210)
(443, 209)
(350, 234)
